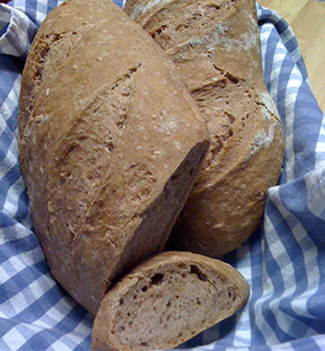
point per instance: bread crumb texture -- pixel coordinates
(166, 301)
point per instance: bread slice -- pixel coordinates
(215, 45)
(110, 144)
(167, 300)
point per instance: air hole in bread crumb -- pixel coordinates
(157, 278)
(232, 295)
(144, 288)
(121, 301)
(144, 343)
(196, 270)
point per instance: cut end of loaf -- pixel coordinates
(167, 301)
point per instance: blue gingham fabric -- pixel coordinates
(284, 261)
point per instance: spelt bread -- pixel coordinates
(166, 301)
(110, 143)
(215, 45)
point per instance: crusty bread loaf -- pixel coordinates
(215, 45)
(166, 301)
(110, 143)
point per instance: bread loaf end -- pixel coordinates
(166, 301)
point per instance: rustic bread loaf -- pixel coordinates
(110, 143)
(215, 45)
(166, 301)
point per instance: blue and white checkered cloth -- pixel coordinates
(284, 261)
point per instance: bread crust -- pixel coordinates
(208, 290)
(215, 45)
(110, 143)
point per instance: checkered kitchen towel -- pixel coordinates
(284, 261)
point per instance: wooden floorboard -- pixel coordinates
(307, 20)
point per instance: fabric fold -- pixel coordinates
(283, 261)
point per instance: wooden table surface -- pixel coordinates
(307, 20)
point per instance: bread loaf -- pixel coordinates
(110, 144)
(166, 301)
(215, 45)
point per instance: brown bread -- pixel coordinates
(110, 143)
(166, 301)
(215, 45)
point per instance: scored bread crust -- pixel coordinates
(215, 45)
(110, 143)
(167, 300)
